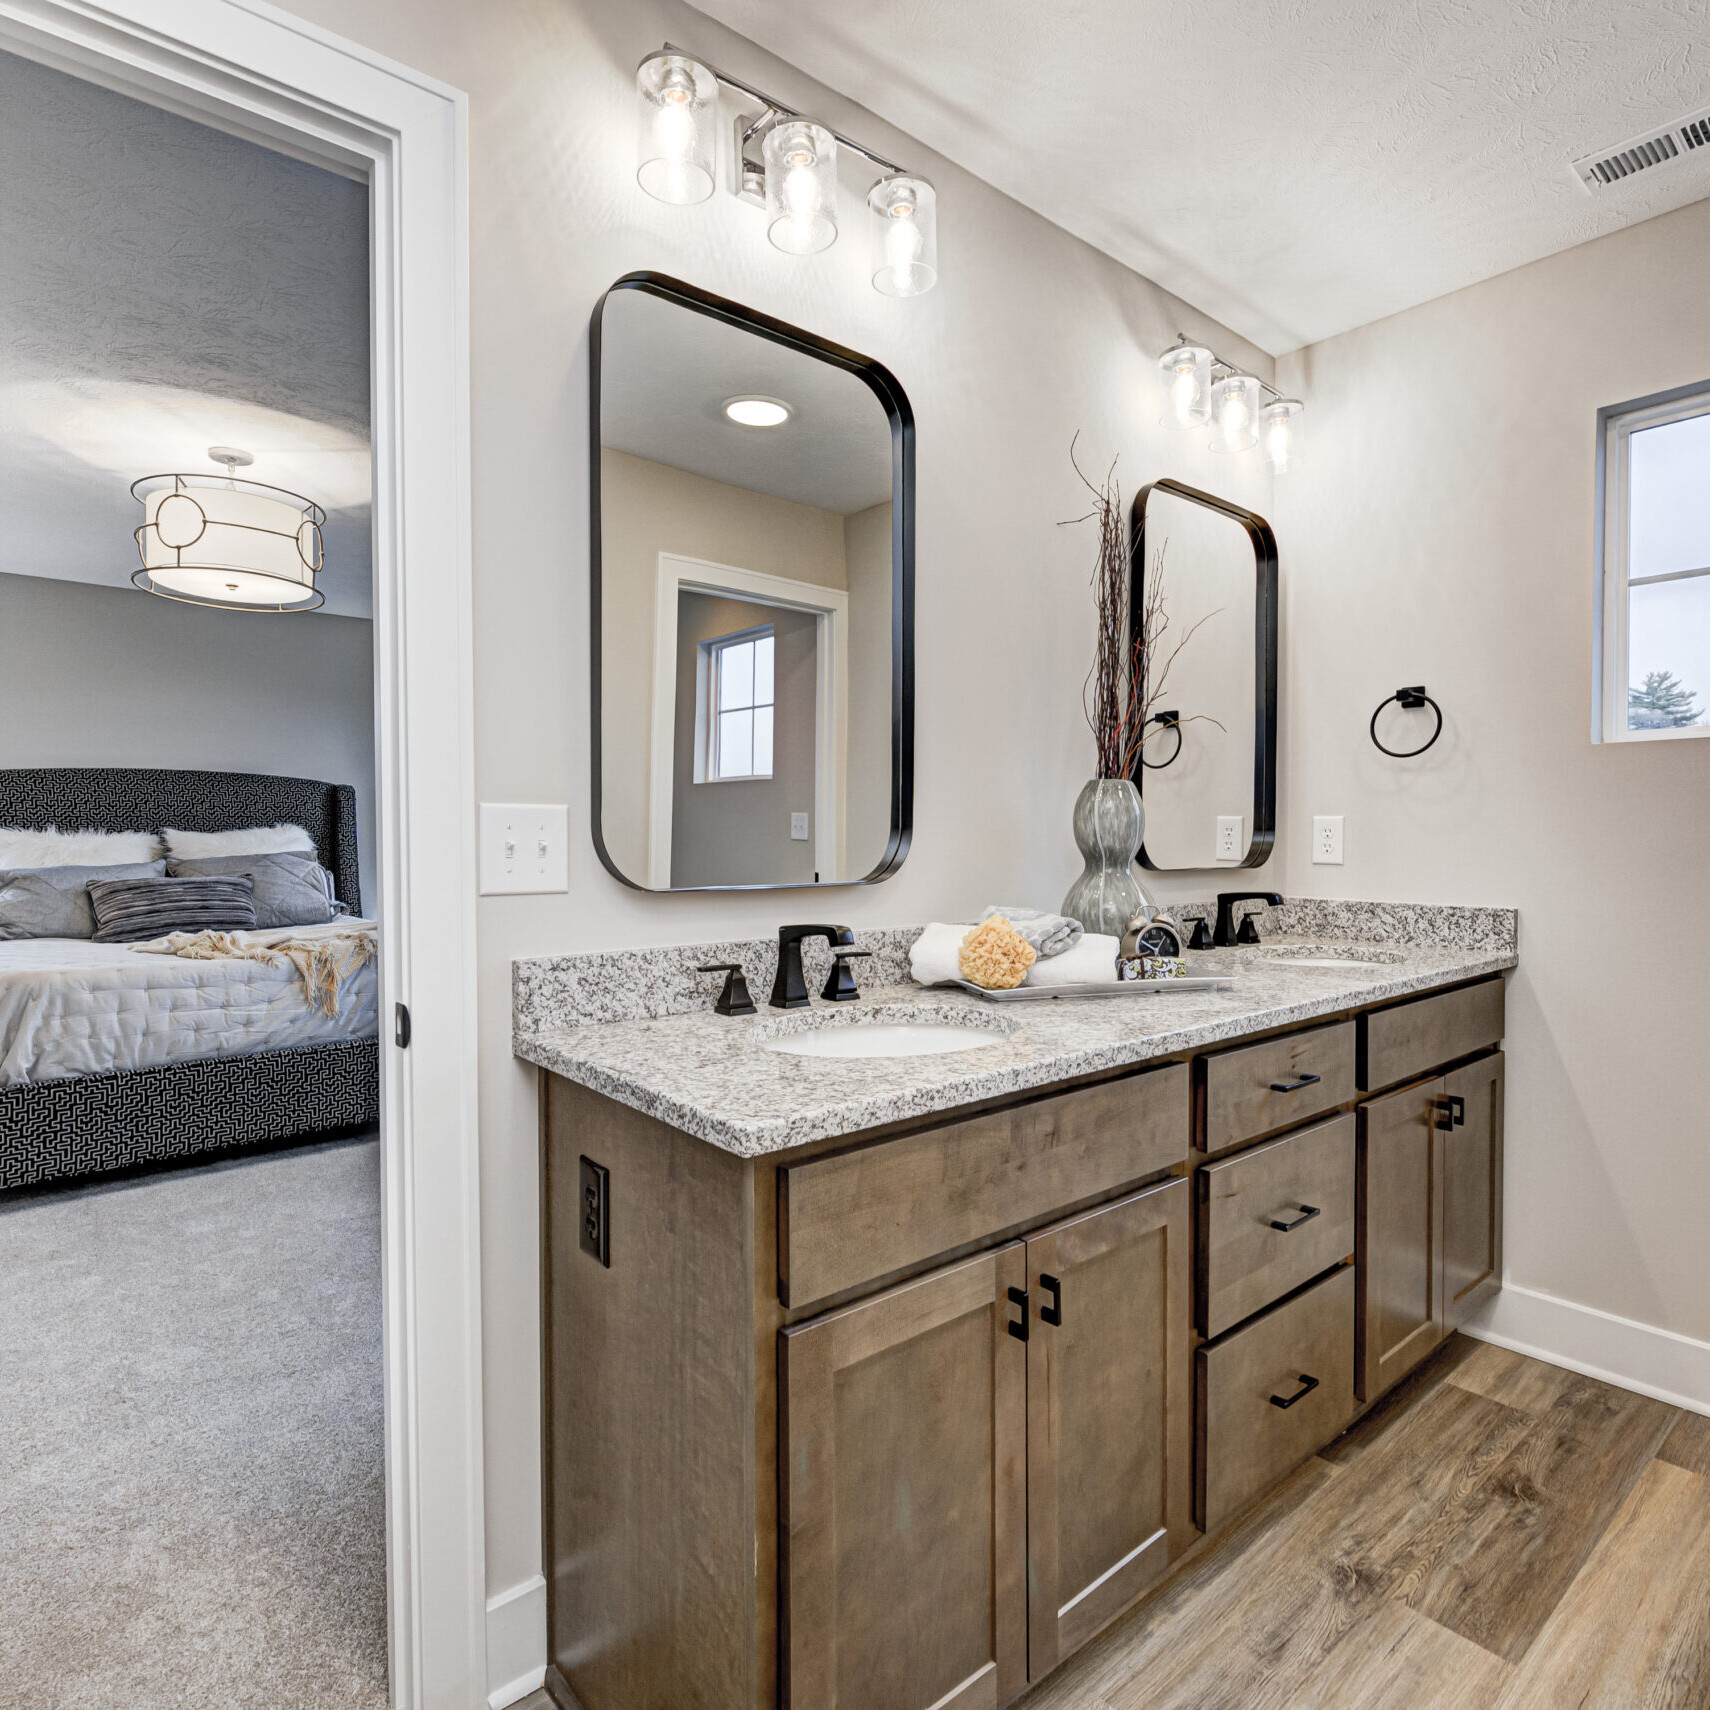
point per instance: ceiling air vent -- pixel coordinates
(1668, 147)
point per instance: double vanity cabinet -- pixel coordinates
(898, 1420)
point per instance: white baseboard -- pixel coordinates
(516, 1642)
(1659, 1363)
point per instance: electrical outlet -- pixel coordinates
(798, 828)
(525, 847)
(1231, 841)
(1327, 840)
(596, 1211)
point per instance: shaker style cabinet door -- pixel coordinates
(903, 1453)
(1109, 1440)
(1471, 1152)
(1399, 1234)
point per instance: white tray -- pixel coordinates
(1102, 989)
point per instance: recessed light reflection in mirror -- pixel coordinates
(757, 412)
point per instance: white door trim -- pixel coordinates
(830, 606)
(248, 67)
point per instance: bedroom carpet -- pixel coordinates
(191, 1496)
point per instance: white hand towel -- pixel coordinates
(1049, 934)
(935, 955)
(1092, 962)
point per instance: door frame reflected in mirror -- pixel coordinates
(894, 401)
(1264, 543)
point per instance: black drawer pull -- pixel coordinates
(1019, 1331)
(1457, 1110)
(1307, 1213)
(1445, 1108)
(1295, 1086)
(1052, 1314)
(1307, 1386)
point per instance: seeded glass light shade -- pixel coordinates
(1235, 413)
(903, 218)
(801, 186)
(214, 540)
(1280, 428)
(1186, 371)
(676, 104)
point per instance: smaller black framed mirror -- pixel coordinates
(1207, 772)
(752, 595)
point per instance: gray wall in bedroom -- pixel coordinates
(94, 676)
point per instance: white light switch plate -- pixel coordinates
(1327, 840)
(525, 847)
(798, 828)
(1231, 843)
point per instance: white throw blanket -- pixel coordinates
(934, 958)
(326, 957)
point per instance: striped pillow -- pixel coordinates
(130, 910)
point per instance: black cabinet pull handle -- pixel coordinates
(1307, 1386)
(1445, 1108)
(1052, 1314)
(1307, 1213)
(1019, 1331)
(1295, 1086)
(1457, 1110)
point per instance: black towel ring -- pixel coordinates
(1168, 721)
(1412, 699)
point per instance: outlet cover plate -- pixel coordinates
(798, 828)
(1327, 840)
(525, 848)
(1231, 836)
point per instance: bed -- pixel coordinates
(111, 1059)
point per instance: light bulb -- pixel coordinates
(1234, 418)
(1280, 423)
(801, 186)
(904, 229)
(1277, 446)
(1237, 407)
(903, 244)
(1186, 372)
(1183, 394)
(675, 155)
(674, 139)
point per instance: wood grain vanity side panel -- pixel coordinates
(852, 1217)
(1472, 1188)
(1416, 1037)
(650, 1464)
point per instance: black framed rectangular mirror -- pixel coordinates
(1208, 767)
(752, 598)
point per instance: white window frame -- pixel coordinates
(1616, 425)
(711, 671)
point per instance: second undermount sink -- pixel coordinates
(1330, 956)
(884, 1036)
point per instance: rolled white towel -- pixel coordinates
(1049, 934)
(935, 955)
(1092, 962)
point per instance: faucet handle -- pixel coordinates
(841, 987)
(734, 999)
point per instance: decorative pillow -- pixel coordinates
(290, 890)
(253, 840)
(51, 902)
(23, 846)
(130, 910)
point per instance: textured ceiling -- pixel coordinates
(666, 372)
(165, 287)
(1292, 167)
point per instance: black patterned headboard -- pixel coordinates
(122, 798)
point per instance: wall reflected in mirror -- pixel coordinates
(751, 546)
(1208, 773)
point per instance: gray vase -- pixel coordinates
(1109, 823)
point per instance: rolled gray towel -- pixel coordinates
(1049, 934)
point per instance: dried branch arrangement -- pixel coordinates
(1126, 681)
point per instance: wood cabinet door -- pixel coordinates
(1109, 1489)
(1398, 1235)
(1471, 1153)
(903, 1454)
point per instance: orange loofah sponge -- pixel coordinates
(995, 955)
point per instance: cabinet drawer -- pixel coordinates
(1411, 1039)
(853, 1217)
(1247, 1439)
(1304, 1182)
(1260, 1088)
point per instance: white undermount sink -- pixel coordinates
(1329, 956)
(844, 1038)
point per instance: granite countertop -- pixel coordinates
(711, 1076)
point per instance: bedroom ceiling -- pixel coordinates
(165, 287)
(1292, 167)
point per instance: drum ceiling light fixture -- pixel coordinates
(234, 544)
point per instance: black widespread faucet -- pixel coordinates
(1225, 934)
(789, 989)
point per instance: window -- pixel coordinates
(739, 728)
(1653, 661)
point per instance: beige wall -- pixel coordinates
(1440, 531)
(1030, 337)
(647, 508)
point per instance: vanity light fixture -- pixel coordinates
(783, 161)
(757, 412)
(217, 540)
(1201, 389)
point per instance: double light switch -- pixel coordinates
(524, 847)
